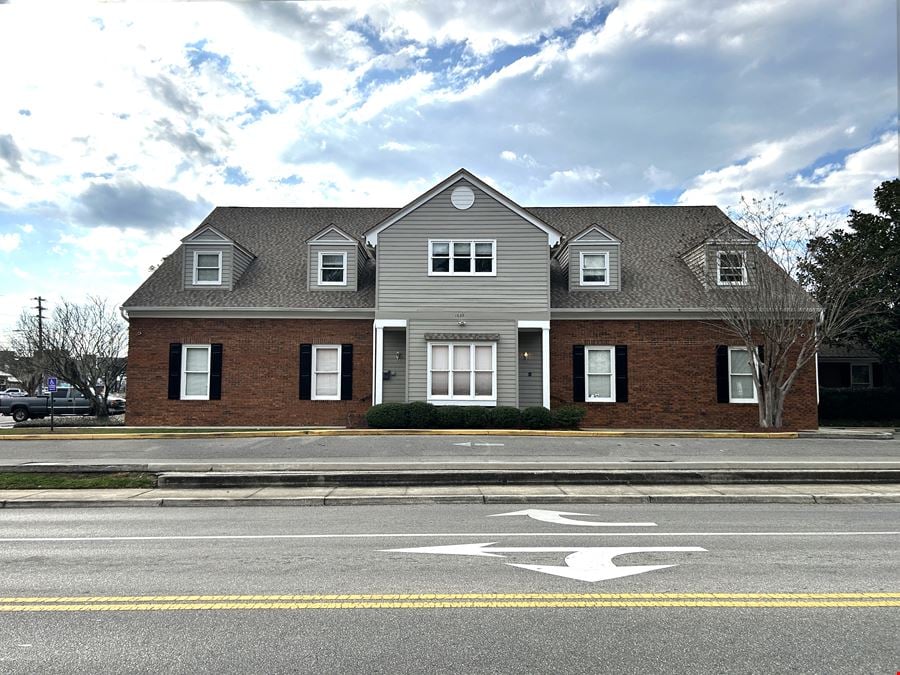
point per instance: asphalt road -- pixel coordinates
(523, 450)
(115, 590)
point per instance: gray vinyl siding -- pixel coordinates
(507, 373)
(531, 391)
(242, 261)
(227, 251)
(592, 237)
(615, 265)
(522, 262)
(352, 266)
(394, 389)
(696, 260)
(209, 236)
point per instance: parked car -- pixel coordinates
(13, 391)
(66, 401)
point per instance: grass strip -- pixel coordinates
(11, 480)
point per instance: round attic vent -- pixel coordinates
(462, 197)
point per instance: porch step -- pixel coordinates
(235, 479)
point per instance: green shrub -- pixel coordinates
(505, 417)
(568, 416)
(388, 416)
(850, 405)
(536, 417)
(421, 415)
(475, 417)
(451, 417)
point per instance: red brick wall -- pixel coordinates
(671, 378)
(260, 372)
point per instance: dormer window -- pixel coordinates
(332, 269)
(462, 258)
(595, 269)
(731, 268)
(208, 268)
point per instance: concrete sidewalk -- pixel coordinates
(471, 494)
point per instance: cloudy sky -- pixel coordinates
(122, 124)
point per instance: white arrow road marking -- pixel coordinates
(584, 563)
(469, 444)
(558, 517)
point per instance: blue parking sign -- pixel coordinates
(51, 384)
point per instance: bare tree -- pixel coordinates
(752, 289)
(84, 344)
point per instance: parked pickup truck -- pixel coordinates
(66, 401)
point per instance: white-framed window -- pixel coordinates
(860, 375)
(462, 371)
(594, 269)
(195, 367)
(457, 257)
(326, 373)
(208, 268)
(740, 376)
(332, 269)
(731, 268)
(599, 374)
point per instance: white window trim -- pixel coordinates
(743, 281)
(313, 395)
(612, 374)
(472, 272)
(197, 281)
(753, 363)
(605, 255)
(343, 255)
(184, 372)
(449, 398)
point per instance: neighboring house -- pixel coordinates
(849, 367)
(299, 316)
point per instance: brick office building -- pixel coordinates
(308, 316)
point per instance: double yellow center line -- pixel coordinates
(145, 603)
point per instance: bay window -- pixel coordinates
(459, 372)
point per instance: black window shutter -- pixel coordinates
(722, 373)
(621, 374)
(174, 371)
(877, 375)
(305, 372)
(578, 372)
(346, 372)
(215, 372)
(845, 375)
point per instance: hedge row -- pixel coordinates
(870, 405)
(420, 415)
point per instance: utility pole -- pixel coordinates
(40, 318)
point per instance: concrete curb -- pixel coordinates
(407, 500)
(288, 433)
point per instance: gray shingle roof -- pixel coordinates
(653, 273)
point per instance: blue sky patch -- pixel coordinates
(197, 56)
(234, 175)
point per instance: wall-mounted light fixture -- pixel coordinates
(399, 355)
(460, 323)
(524, 356)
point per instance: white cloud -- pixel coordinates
(508, 155)
(10, 242)
(27, 228)
(394, 146)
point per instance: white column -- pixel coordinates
(377, 392)
(545, 361)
